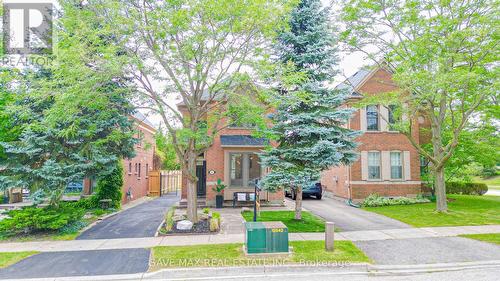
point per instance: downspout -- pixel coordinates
(349, 200)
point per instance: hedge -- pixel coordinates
(468, 188)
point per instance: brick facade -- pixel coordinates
(135, 170)
(217, 167)
(351, 182)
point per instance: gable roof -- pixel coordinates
(353, 83)
(140, 117)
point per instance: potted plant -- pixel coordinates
(219, 189)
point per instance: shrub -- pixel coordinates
(216, 215)
(73, 227)
(214, 224)
(375, 200)
(468, 188)
(86, 203)
(110, 187)
(169, 219)
(33, 219)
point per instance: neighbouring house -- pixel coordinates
(136, 170)
(233, 158)
(388, 164)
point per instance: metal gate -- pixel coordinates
(170, 181)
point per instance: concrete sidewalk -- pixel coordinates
(136, 243)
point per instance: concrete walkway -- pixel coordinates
(182, 240)
(349, 218)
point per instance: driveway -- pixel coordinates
(348, 218)
(136, 222)
(139, 221)
(429, 250)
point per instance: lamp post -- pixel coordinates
(255, 200)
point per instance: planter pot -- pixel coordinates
(219, 201)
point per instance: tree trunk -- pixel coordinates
(298, 203)
(440, 190)
(192, 205)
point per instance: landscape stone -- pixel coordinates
(184, 225)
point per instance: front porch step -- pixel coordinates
(201, 203)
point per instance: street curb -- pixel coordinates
(436, 267)
(220, 273)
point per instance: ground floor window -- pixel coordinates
(373, 165)
(396, 165)
(244, 169)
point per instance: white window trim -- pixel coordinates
(227, 168)
(401, 155)
(368, 165)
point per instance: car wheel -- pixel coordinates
(318, 196)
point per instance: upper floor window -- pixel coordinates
(130, 168)
(374, 165)
(392, 118)
(372, 118)
(147, 170)
(139, 171)
(396, 165)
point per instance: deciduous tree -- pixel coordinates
(444, 58)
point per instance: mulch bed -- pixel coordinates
(201, 227)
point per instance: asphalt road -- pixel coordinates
(428, 250)
(140, 221)
(348, 218)
(82, 263)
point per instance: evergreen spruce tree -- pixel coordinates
(72, 117)
(308, 125)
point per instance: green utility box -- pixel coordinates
(266, 237)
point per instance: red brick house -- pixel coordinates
(136, 170)
(388, 165)
(233, 159)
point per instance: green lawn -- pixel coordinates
(309, 222)
(489, 237)
(7, 259)
(232, 255)
(463, 210)
(492, 182)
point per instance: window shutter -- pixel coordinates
(406, 165)
(364, 165)
(362, 119)
(404, 114)
(384, 118)
(386, 165)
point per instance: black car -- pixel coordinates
(314, 189)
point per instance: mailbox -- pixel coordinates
(266, 237)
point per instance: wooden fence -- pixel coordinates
(171, 181)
